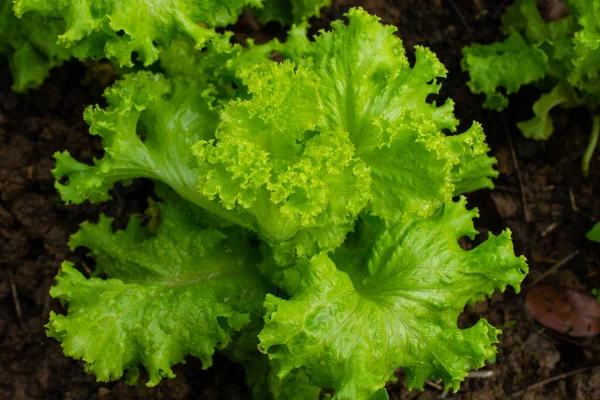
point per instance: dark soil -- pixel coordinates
(561, 205)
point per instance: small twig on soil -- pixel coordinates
(13, 289)
(87, 269)
(573, 202)
(549, 229)
(480, 374)
(546, 260)
(522, 187)
(550, 380)
(434, 385)
(555, 267)
(462, 18)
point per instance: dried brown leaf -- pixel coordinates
(564, 310)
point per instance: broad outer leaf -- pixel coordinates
(121, 29)
(392, 301)
(184, 290)
(261, 373)
(147, 131)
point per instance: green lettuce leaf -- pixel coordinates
(492, 67)
(524, 17)
(553, 37)
(594, 233)
(391, 298)
(585, 73)
(533, 50)
(290, 11)
(217, 66)
(30, 46)
(147, 131)
(261, 373)
(182, 290)
(326, 134)
(266, 385)
(124, 29)
(540, 127)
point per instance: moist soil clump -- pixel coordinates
(540, 195)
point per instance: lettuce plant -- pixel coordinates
(335, 166)
(561, 57)
(38, 35)
(30, 45)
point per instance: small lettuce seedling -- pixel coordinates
(561, 57)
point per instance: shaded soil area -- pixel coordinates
(541, 196)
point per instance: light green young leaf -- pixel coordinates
(267, 161)
(345, 126)
(369, 89)
(392, 301)
(183, 290)
(552, 37)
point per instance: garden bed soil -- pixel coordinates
(540, 195)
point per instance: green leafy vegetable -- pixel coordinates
(493, 67)
(392, 300)
(290, 11)
(563, 55)
(540, 127)
(30, 46)
(118, 29)
(182, 290)
(308, 146)
(37, 35)
(261, 373)
(329, 174)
